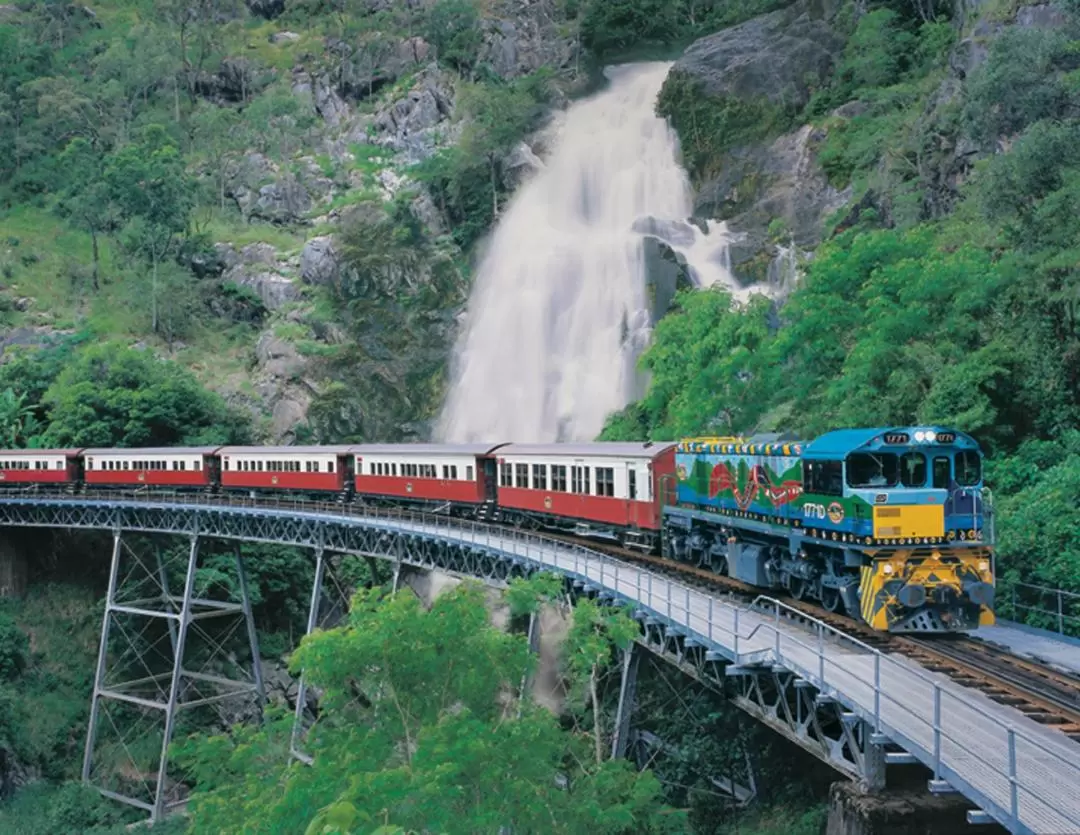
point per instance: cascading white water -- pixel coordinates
(559, 313)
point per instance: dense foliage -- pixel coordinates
(937, 298)
(422, 728)
(87, 395)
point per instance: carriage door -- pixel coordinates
(635, 498)
(490, 480)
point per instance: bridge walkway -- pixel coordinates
(1019, 773)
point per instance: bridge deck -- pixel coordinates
(1023, 774)
(1047, 647)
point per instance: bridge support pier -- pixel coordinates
(898, 811)
(627, 695)
(12, 569)
(159, 654)
(323, 609)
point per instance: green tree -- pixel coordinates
(416, 731)
(109, 395)
(453, 26)
(85, 199)
(148, 183)
(18, 423)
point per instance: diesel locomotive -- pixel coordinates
(891, 525)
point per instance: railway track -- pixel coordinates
(1041, 693)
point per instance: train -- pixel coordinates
(891, 526)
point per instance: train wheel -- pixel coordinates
(831, 600)
(797, 587)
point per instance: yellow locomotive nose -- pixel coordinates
(909, 521)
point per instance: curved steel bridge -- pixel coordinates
(857, 709)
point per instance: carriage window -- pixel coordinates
(329, 466)
(504, 475)
(942, 473)
(445, 471)
(393, 469)
(575, 479)
(968, 468)
(539, 477)
(605, 481)
(631, 483)
(558, 478)
(469, 473)
(521, 473)
(866, 469)
(823, 478)
(585, 480)
(913, 469)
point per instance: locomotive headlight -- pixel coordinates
(920, 436)
(984, 565)
(887, 568)
(930, 437)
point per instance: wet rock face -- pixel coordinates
(776, 56)
(761, 183)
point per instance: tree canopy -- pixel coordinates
(421, 728)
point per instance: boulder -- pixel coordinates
(328, 103)
(415, 124)
(257, 267)
(268, 9)
(262, 190)
(521, 36)
(776, 56)
(284, 37)
(319, 262)
(278, 357)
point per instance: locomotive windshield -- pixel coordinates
(885, 469)
(968, 468)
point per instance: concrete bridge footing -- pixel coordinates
(899, 811)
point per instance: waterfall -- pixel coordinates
(559, 312)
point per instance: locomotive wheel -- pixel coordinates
(830, 599)
(797, 587)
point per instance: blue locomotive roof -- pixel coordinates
(841, 442)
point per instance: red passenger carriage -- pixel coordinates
(26, 467)
(288, 468)
(179, 467)
(461, 474)
(603, 488)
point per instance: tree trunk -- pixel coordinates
(596, 716)
(94, 243)
(153, 295)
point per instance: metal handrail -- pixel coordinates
(584, 559)
(1059, 613)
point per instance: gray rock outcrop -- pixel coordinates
(319, 261)
(268, 9)
(776, 57)
(414, 125)
(264, 190)
(257, 267)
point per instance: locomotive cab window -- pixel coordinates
(913, 469)
(872, 469)
(823, 478)
(968, 468)
(942, 473)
